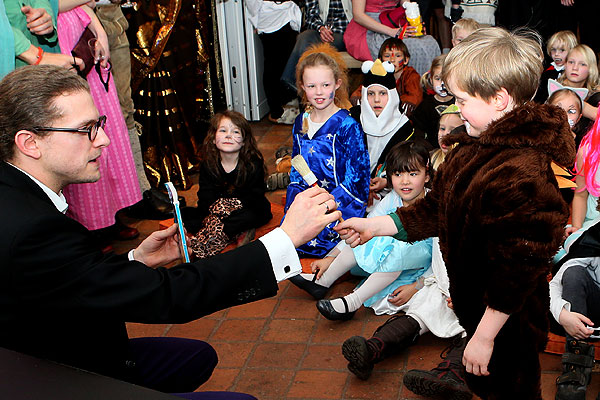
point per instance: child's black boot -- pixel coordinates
(577, 362)
(446, 381)
(396, 334)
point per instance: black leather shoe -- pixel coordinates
(326, 309)
(314, 289)
(152, 206)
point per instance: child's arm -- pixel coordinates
(579, 198)
(412, 90)
(359, 15)
(589, 111)
(479, 349)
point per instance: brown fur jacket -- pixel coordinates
(497, 210)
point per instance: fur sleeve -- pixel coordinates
(522, 216)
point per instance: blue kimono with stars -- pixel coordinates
(339, 158)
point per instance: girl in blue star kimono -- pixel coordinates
(330, 141)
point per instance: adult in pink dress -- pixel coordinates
(365, 34)
(95, 204)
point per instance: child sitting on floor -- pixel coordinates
(407, 78)
(231, 193)
(393, 266)
(381, 121)
(330, 141)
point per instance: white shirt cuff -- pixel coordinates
(284, 259)
(130, 255)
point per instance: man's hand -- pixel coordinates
(574, 323)
(308, 215)
(160, 248)
(39, 22)
(326, 34)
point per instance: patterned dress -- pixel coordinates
(338, 157)
(94, 204)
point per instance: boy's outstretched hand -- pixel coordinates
(357, 231)
(310, 212)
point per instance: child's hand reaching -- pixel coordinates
(449, 302)
(575, 324)
(320, 266)
(377, 184)
(569, 230)
(403, 294)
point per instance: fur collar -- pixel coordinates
(539, 126)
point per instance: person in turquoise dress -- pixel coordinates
(393, 267)
(331, 142)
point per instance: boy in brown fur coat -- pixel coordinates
(496, 208)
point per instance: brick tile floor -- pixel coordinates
(282, 348)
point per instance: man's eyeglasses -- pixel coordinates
(91, 130)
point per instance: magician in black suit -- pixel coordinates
(62, 299)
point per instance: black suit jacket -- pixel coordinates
(62, 299)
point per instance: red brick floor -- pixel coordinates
(282, 348)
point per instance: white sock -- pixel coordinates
(353, 301)
(375, 283)
(342, 264)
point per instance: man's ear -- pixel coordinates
(26, 142)
(502, 99)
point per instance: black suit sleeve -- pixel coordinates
(57, 267)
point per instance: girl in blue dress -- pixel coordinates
(393, 266)
(330, 141)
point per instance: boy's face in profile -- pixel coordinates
(476, 112)
(459, 36)
(396, 57)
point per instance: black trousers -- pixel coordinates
(582, 292)
(277, 47)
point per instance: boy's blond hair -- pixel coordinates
(493, 58)
(466, 24)
(589, 56)
(567, 38)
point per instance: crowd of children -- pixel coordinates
(492, 213)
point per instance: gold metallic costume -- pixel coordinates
(176, 82)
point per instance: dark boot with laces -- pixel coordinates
(577, 361)
(396, 334)
(446, 381)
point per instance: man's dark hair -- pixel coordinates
(27, 100)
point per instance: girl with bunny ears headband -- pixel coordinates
(558, 97)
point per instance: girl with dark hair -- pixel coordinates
(393, 267)
(231, 195)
